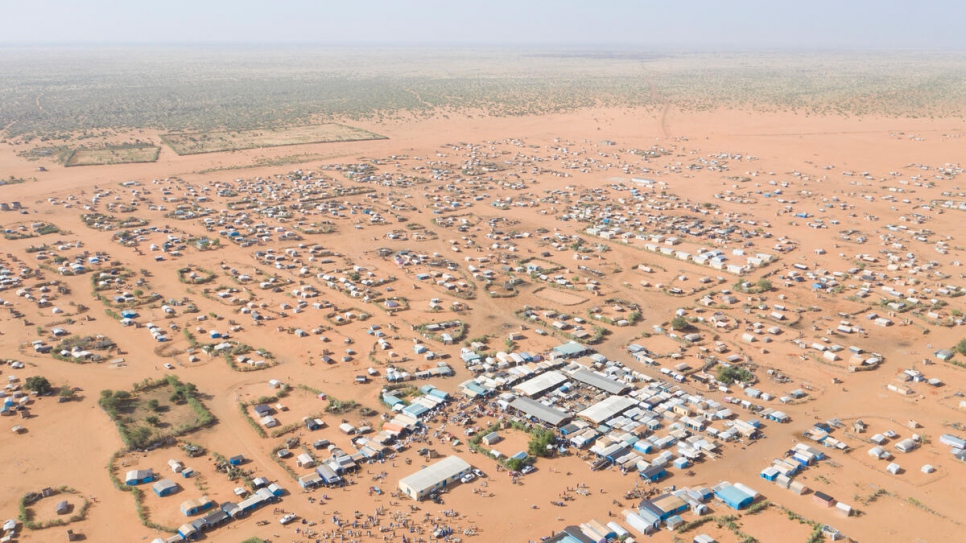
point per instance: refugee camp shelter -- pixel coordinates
(196, 506)
(823, 499)
(328, 475)
(310, 481)
(664, 506)
(165, 487)
(188, 532)
(138, 477)
(654, 473)
(732, 496)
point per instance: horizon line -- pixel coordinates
(592, 46)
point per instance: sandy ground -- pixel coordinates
(71, 443)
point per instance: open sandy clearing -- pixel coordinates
(559, 297)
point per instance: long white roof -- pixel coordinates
(434, 474)
(540, 383)
(607, 408)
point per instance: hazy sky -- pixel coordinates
(689, 24)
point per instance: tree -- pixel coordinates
(680, 323)
(109, 402)
(764, 285)
(154, 404)
(139, 436)
(514, 464)
(66, 392)
(961, 347)
(37, 384)
(539, 441)
(183, 392)
(153, 420)
(731, 374)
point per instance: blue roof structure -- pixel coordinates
(733, 497)
(770, 473)
(391, 400)
(570, 349)
(570, 534)
(437, 393)
(415, 409)
(475, 388)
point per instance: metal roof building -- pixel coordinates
(535, 409)
(165, 487)
(600, 382)
(607, 408)
(571, 349)
(733, 496)
(540, 384)
(196, 505)
(138, 476)
(570, 534)
(434, 477)
(328, 475)
(310, 481)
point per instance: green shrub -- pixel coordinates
(731, 374)
(37, 384)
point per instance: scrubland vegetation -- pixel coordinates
(56, 96)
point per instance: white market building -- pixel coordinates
(434, 477)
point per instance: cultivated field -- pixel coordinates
(219, 141)
(112, 155)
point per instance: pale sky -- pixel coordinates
(674, 24)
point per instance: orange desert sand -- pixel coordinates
(462, 219)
